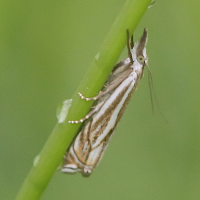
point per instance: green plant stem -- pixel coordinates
(63, 133)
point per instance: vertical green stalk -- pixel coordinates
(63, 133)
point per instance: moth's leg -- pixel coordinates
(109, 88)
(95, 109)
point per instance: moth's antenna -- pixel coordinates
(128, 46)
(132, 42)
(150, 88)
(150, 80)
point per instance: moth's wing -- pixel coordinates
(119, 73)
(75, 157)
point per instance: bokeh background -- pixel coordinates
(46, 47)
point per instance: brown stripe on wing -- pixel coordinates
(119, 74)
(70, 159)
(82, 139)
(121, 112)
(109, 135)
(118, 65)
(105, 118)
(103, 145)
(106, 142)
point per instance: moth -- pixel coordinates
(99, 124)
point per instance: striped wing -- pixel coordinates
(91, 142)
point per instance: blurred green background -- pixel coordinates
(46, 47)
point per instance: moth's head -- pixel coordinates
(139, 49)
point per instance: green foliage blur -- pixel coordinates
(45, 49)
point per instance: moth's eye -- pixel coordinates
(140, 59)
